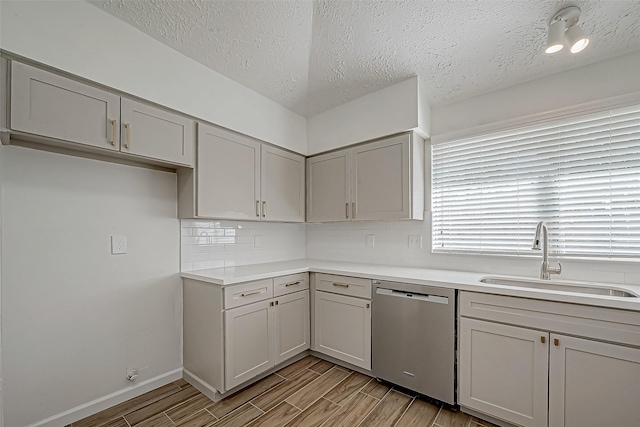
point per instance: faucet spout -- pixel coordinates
(542, 234)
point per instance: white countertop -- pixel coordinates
(464, 281)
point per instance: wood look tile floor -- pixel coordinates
(309, 393)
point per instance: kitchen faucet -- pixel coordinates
(545, 270)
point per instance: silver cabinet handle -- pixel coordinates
(251, 293)
(292, 284)
(258, 208)
(341, 285)
(114, 131)
(264, 209)
(353, 210)
(127, 133)
(346, 210)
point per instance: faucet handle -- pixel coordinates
(552, 270)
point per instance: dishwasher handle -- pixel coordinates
(413, 295)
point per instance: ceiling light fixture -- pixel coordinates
(564, 29)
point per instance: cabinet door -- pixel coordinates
(328, 187)
(157, 134)
(503, 371)
(593, 384)
(248, 342)
(46, 104)
(342, 328)
(228, 174)
(380, 179)
(291, 325)
(283, 186)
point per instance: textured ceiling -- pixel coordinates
(313, 55)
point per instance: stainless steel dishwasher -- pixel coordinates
(413, 342)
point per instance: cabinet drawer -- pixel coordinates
(246, 293)
(607, 324)
(344, 285)
(292, 283)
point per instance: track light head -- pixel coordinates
(564, 29)
(555, 41)
(577, 40)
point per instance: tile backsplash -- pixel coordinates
(352, 241)
(218, 243)
(213, 244)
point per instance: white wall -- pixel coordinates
(79, 38)
(215, 244)
(394, 109)
(613, 77)
(75, 317)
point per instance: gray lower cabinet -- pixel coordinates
(539, 363)
(342, 318)
(234, 333)
(503, 371)
(53, 107)
(593, 384)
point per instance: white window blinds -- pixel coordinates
(580, 175)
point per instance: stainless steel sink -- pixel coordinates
(559, 286)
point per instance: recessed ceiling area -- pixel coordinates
(310, 56)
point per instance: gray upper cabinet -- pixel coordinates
(380, 180)
(238, 177)
(282, 185)
(60, 111)
(49, 105)
(228, 175)
(329, 187)
(156, 134)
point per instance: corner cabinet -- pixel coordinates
(522, 361)
(342, 318)
(234, 333)
(51, 109)
(238, 177)
(380, 180)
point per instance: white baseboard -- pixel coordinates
(102, 403)
(202, 386)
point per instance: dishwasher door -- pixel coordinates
(413, 343)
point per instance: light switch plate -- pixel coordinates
(415, 242)
(257, 242)
(371, 240)
(118, 245)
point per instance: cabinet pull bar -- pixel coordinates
(346, 210)
(127, 135)
(258, 208)
(264, 209)
(341, 285)
(292, 284)
(251, 293)
(353, 210)
(556, 342)
(543, 340)
(276, 302)
(271, 304)
(367, 305)
(114, 131)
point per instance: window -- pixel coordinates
(580, 175)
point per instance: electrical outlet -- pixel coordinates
(415, 242)
(371, 240)
(118, 245)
